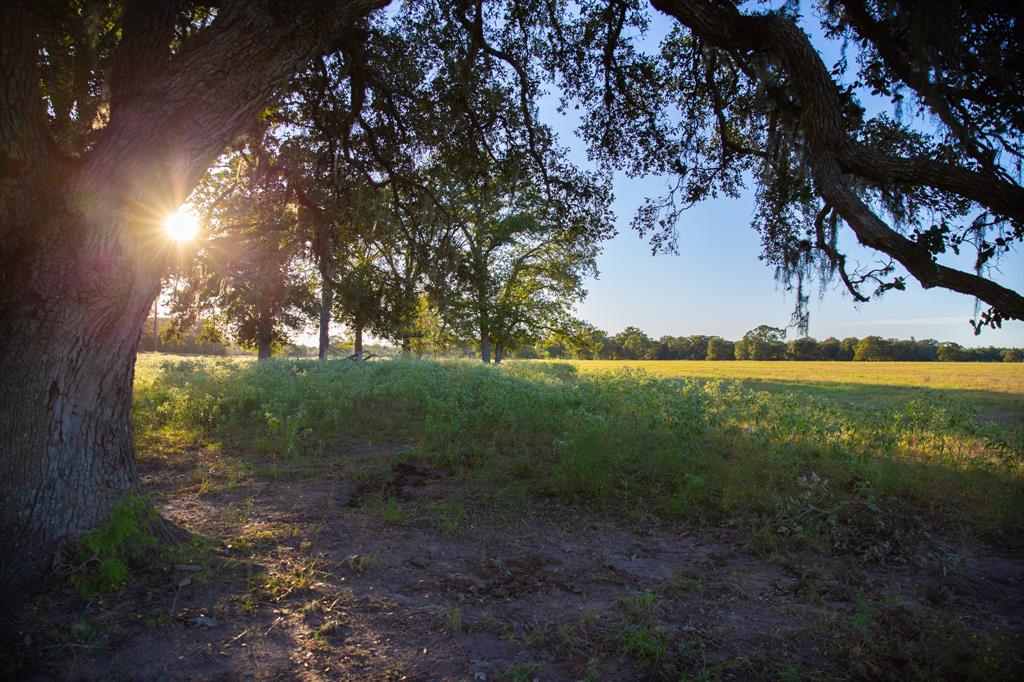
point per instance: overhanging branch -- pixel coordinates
(832, 151)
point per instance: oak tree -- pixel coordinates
(110, 113)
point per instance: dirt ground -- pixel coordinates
(317, 577)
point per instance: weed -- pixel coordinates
(850, 470)
(448, 515)
(519, 673)
(789, 673)
(572, 635)
(646, 644)
(320, 638)
(389, 509)
(155, 621)
(640, 607)
(239, 514)
(692, 658)
(297, 576)
(448, 618)
(246, 604)
(108, 551)
(537, 634)
(361, 563)
(679, 584)
(258, 537)
(890, 640)
(86, 634)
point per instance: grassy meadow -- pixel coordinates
(993, 377)
(992, 390)
(556, 520)
(860, 459)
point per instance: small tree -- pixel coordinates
(804, 348)
(1012, 355)
(762, 343)
(848, 348)
(250, 280)
(720, 349)
(872, 349)
(631, 344)
(952, 352)
(521, 247)
(830, 349)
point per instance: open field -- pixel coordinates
(996, 377)
(994, 390)
(551, 521)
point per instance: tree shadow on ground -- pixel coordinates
(324, 576)
(989, 406)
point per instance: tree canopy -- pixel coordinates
(740, 95)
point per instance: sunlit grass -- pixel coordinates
(981, 376)
(858, 473)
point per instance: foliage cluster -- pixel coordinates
(169, 338)
(108, 551)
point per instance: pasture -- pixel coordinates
(585, 520)
(993, 390)
(959, 376)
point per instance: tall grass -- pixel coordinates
(792, 465)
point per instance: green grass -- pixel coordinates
(868, 475)
(996, 377)
(995, 391)
(878, 638)
(108, 551)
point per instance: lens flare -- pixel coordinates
(182, 225)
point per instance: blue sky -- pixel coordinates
(716, 284)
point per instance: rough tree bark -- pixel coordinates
(326, 305)
(80, 244)
(265, 335)
(357, 344)
(485, 344)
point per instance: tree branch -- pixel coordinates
(212, 91)
(933, 95)
(821, 119)
(27, 153)
(145, 48)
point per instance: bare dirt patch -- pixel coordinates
(410, 573)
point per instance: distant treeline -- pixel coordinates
(762, 343)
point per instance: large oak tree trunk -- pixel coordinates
(67, 361)
(80, 242)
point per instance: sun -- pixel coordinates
(182, 225)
